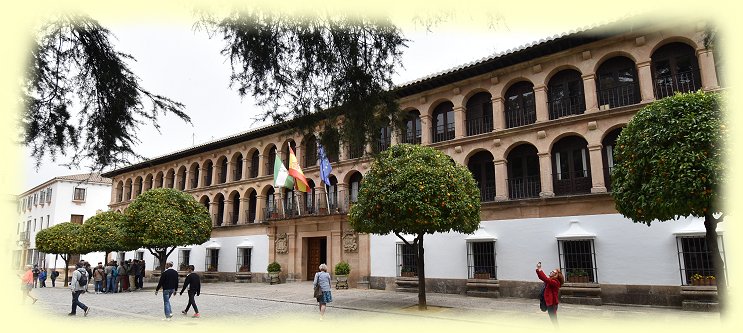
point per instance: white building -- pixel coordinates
(61, 199)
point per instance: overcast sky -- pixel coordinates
(185, 65)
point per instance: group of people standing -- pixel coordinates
(39, 277)
(118, 277)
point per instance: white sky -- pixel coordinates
(185, 65)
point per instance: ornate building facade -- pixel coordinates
(536, 126)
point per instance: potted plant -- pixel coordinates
(710, 280)
(578, 276)
(697, 279)
(482, 274)
(342, 269)
(407, 271)
(211, 268)
(183, 266)
(244, 268)
(273, 269)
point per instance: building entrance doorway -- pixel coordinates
(316, 254)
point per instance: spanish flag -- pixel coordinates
(296, 172)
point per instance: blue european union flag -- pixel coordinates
(325, 168)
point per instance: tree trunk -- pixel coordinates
(105, 258)
(66, 268)
(713, 249)
(421, 275)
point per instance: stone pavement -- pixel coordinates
(292, 304)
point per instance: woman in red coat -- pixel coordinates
(552, 286)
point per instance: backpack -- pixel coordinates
(83, 280)
(114, 272)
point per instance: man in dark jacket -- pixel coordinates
(193, 282)
(169, 283)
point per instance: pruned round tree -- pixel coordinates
(65, 239)
(162, 219)
(105, 233)
(416, 190)
(669, 163)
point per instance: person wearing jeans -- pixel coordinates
(77, 289)
(169, 282)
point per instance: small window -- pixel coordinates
(578, 260)
(139, 255)
(76, 219)
(79, 194)
(243, 259)
(36, 199)
(212, 260)
(49, 195)
(184, 259)
(407, 260)
(47, 221)
(694, 260)
(481, 260)
(42, 197)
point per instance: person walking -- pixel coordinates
(42, 279)
(552, 286)
(36, 272)
(322, 278)
(54, 275)
(27, 283)
(169, 282)
(78, 286)
(193, 282)
(98, 275)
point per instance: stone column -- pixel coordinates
(215, 174)
(342, 151)
(213, 212)
(597, 170)
(292, 253)
(426, 130)
(202, 177)
(242, 214)
(645, 77)
(260, 204)
(343, 196)
(540, 99)
(229, 177)
(336, 248)
(459, 127)
(499, 116)
(261, 167)
(245, 168)
(501, 183)
(707, 70)
(589, 92)
(545, 175)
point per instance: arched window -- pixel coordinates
(128, 189)
(285, 150)
(617, 83)
(220, 209)
(235, 213)
(223, 170)
(208, 170)
(607, 155)
(271, 211)
(354, 185)
(194, 171)
(333, 194)
(120, 192)
(310, 151)
(443, 122)
(520, 105)
(479, 114)
(237, 172)
(159, 180)
(483, 171)
(254, 164)
(566, 94)
(271, 160)
(252, 204)
(181, 178)
(412, 128)
(310, 201)
(385, 139)
(523, 173)
(571, 166)
(675, 69)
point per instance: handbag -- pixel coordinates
(318, 291)
(542, 302)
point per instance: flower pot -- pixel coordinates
(408, 274)
(341, 282)
(578, 279)
(482, 276)
(273, 277)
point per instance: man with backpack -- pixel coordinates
(79, 285)
(54, 275)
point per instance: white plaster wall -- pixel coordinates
(626, 252)
(227, 254)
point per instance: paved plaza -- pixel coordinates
(292, 304)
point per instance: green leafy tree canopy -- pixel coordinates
(105, 232)
(669, 159)
(411, 189)
(162, 219)
(64, 239)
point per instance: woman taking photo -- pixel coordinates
(322, 278)
(552, 286)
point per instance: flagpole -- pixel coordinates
(327, 198)
(299, 209)
(283, 207)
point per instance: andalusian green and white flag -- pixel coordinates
(281, 175)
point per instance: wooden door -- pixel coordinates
(314, 249)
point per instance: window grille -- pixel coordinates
(139, 255)
(212, 260)
(77, 219)
(578, 260)
(243, 259)
(694, 258)
(49, 195)
(407, 260)
(481, 260)
(184, 259)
